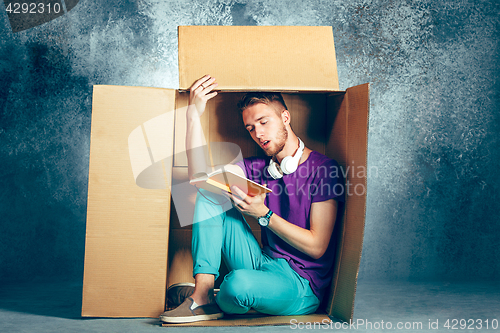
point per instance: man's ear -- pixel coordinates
(285, 116)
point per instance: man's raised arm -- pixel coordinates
(200, 92)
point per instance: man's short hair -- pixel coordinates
(272, 99)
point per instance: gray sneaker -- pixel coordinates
(178, 292)
(184, 314)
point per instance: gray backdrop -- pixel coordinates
(432, 209)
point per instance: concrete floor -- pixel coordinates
(55, 307)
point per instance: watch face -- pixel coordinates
(263, 221)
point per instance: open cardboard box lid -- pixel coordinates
(259, 58)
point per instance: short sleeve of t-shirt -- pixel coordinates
(327, 182)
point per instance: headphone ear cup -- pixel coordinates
(289, 164)
(274, 170)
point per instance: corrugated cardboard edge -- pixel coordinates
(341, 304)
(256, 319)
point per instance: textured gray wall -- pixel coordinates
(432, 208)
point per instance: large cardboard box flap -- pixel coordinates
(259, 58)
(348, 144)
(127, 225)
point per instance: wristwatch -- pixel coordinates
(264, 220)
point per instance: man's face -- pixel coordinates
(266, 127)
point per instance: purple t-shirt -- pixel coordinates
(317, 179)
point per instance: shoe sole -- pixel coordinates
(191, 319)
(186, 284)
(182, 284)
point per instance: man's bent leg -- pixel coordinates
(240, 248)
(206, 246)
(207, 238)
(274, 289)
(218, 228)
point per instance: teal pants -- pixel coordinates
(255, 279)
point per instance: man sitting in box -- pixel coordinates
(290, 274)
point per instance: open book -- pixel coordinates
(223, 179)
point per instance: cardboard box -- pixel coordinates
(136, 245)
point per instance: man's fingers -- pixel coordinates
(239, 192)
(208, 83)
(204, 83)
(211, 95)
(205, 89)
(236, 201)
(199, 82)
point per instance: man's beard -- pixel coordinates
(280, 142)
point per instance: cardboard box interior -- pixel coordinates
(320, 120)
(136, 245)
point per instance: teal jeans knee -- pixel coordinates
(274, 289)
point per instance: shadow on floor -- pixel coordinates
(62, 300)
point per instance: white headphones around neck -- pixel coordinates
(288, 165)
